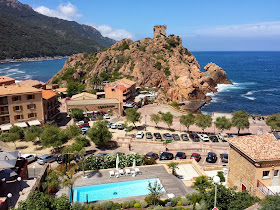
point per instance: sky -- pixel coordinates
(203, 25)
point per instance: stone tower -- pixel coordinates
(159, 30)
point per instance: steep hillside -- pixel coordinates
(26, 33)
(161, 62)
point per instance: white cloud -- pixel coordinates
(113, 33)
(262, 29)
(63, 11)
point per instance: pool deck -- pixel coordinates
(171, 184)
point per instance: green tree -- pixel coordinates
(173, 166)
(96, 81)
(72, 131)
(99, 133)
(221, 175)
(240, 120)
(271, 202)
(53, 136)
(201, 184)
(13, 137)
(74, 87)
(187, 120)
(155, 190)
(203, 121)
(222, 123)
(167, 118)
(82, 140)
(132, 116)
(155, 118)
(17, 129)
(273, 121)
(77, 113)
(32, 133)
(51, 182)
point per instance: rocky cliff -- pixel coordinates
(161, 62)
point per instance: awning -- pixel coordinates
(7, 173)
(21, 124)
(5, 127)
(34, 122)
(8, 163)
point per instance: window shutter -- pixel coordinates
(15, 117)
(33, 96)
(21, 116)
(28, 115)
(21, 108)
(14, 108)
(35, 114)
(34, 105)
(27, 106)
(19, 98)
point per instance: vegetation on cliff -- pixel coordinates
(161, 62)
(27, 34)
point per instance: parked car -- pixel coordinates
(223, 137)
(196, 157)
(232, 136)
(106, 116)
(109, 124)
(86, 124)
(79, 123)
(84, 130)
(224, 157)
(167, 136)
(180, 155)
(184, 137)
(214, 138)
(139, 135)
(211, 157)
(194, 137)
(29, 157)
(157, 135)
(152, 155)
(120, 126)
(176, 137)
(204, 137)
(102, 154)
(120, 153)
(61, 158)
(149, 135)
(46, 159)
(114, 126)
(166, 156)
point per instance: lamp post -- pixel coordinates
(34, 170)
(145, 122)
(216, 180)
(10, 195)
(19, 180)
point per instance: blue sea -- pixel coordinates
(255, 77)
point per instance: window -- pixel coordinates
(276, 173)
(17, 108)
(16, 98)
(18, 117)
(266, 175)
(32, 115)
(30, 97)
(31, 106)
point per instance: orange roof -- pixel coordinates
(258, 147)
(6, 79)
(30, 82)
(112, 85)
(17, 89)
(47, 94)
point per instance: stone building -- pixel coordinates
(159, 30)
(4, 80)
(50, 104)
(254, 164)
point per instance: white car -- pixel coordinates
(106, 116)
(114, 126)
(223, 136)
(80, 123)
(29, 157)
(204, 137)
(139, 135)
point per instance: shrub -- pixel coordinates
(82, 140)
(166, 71)
(142, 48)
(179, 203)
(137, 205)
(125, 205)
(131, 203)
(107, 204)
(158, 208)
(93, 92)
(185, 201)
(62, 167)
(158, 65)
(174, 201)
(143, 204)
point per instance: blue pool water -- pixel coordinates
(112, 190)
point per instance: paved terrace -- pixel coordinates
(171, 184)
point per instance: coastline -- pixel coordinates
(32, 59)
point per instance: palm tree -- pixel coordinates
(69, 179)
(173, 166)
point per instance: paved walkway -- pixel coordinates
(171, 184)
(187, 171)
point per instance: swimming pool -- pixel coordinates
(112, 190)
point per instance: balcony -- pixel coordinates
(4, 102)
(4, 113)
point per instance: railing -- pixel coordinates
(264, 189)
(4, 112)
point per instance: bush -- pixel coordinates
(185, 201)
(125, 205)
(166, 71)
(131, 203)
(137, 205)
(82, 140)
(179, 203)
(144, 204)
(158, 65)
(62, 167)
(174, 201)
(158, 208)
(107, 204)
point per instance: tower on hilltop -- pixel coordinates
(159, 30)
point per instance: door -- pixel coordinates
(243, 187)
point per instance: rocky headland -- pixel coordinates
(161, 62)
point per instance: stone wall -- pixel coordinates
(159, 30)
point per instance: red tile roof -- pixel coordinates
(112, 85)
(258, 147)
(47, 94)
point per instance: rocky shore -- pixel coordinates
(32, 59)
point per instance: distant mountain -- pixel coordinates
(25, 33)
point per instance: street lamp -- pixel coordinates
(19, 180)
(34, 170)
(216, 180)
(145, 123)
(10, 195)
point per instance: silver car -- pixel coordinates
(46, 159)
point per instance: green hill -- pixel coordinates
(24, 33)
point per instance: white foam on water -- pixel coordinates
(250, 93)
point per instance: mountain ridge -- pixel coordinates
(26, 33)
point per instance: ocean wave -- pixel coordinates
(250, 98)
